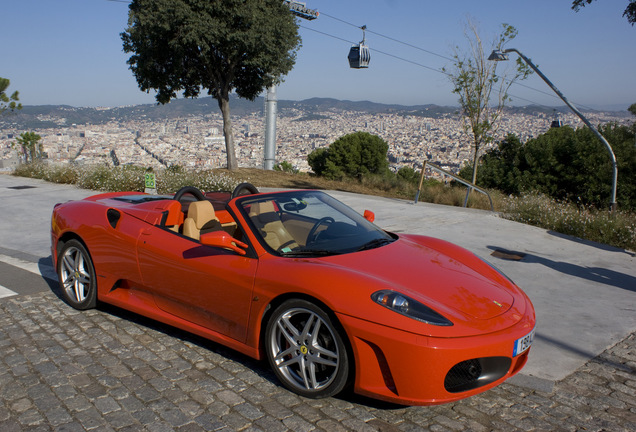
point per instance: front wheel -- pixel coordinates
(76, 276)
(306, 351)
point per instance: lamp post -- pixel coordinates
(271, 101)
(498, 55)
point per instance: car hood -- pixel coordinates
(439, 274)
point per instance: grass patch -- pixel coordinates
(616, 229)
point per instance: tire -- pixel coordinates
(76, 275)
(306, 351)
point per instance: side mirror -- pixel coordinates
(369, 215)
(222, 239)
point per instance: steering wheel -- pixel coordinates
(311, 237)
(244, 187)
(189, 190)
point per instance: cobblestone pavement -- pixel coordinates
(106, 370)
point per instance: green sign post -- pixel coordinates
(150, 182)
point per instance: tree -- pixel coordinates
(8, 102)
(632, 109)
(475, 81)
(30, 147)
(353, 155)
(564, 163)
(222, 46)
(629, 13)
(500, 167)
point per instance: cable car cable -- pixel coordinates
(437, 55)
(388, 37)
(414, 63)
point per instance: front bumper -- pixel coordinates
(410, 369)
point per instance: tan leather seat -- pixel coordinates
(271, 227)
(201, 219)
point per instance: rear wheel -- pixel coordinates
(76, 276)
(306, 351)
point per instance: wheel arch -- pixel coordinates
(65, 238)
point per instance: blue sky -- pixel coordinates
(70, 52)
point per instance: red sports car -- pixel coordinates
(297, 277)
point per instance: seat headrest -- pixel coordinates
(264, 211)
(201, 211)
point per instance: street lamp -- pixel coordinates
(498, 55)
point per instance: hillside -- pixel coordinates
(52, 116)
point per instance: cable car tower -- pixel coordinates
(271, 102)
(301, 10)
(360, 55)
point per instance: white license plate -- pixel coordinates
(522, 344)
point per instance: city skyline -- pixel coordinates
(70, 52)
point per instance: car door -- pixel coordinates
(210, 287)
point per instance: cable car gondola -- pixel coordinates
(360, 55)
(556, 123)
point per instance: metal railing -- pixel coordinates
(455, 177)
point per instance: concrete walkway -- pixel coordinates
(584, 293)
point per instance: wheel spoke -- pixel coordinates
(309, 374)
(291, 351)
(325, 357)
(84, 278)
(311, 328)
(79, 291)
(296, 359)
(68, 263)
(69, 281)
(288, 330)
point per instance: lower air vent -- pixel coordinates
(475, 373)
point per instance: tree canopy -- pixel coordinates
(29, 147)
(222, 46)
(352, 155)
(8, 102)
(629, 13)
(565, 164)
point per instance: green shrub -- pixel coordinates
(285, 166)
(354, 155)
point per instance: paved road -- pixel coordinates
(108, 370)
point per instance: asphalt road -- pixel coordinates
(109, 370)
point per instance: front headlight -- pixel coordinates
(406, 306)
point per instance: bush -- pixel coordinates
(563, 163)
(125, 178)
(285, 166)
(354, 155)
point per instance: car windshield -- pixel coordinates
(309, 223)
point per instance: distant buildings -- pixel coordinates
(196, 142)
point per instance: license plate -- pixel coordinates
(522, 344)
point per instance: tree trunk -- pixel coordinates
(224, 104)
(474, 180)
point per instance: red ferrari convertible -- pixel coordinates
(331, 300)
